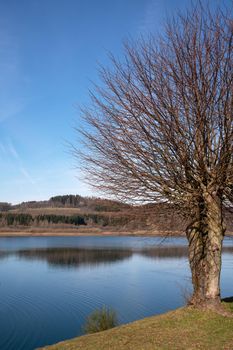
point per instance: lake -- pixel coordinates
(48, 285)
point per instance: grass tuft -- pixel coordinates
(100, 320)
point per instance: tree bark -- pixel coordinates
(205, 237)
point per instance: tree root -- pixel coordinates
(214, 305)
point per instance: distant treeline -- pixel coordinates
(69, 201)
(4, 206)
(12, 219)
(91, 203)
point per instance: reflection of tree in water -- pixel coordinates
(3, 254)
(165, 252)
(78, 256)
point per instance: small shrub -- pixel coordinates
(100, 320)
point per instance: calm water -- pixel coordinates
(49, 285)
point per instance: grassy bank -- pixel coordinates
(184, 328)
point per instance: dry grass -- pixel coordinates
(184, 328)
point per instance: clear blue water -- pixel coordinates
(48, 285)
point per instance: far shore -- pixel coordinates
(50, 232)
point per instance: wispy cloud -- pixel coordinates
(2, 148)
(12, 151)
(27, 175)
(9, 110)
(151, 16)
(11, 76)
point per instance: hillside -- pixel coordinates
(85, 214)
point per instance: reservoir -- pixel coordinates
(49, 285)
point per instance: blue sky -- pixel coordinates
(49, 54)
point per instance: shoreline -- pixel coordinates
(89, 231)
(182, 328)
(48, 232)
(64, 233)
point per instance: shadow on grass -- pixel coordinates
(228, 300)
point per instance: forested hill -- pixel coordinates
(77, 212)
(67, 211)
(69, 201)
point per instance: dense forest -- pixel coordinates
(21, 219)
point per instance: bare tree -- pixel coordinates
(160, 128)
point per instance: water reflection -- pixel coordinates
(136, 276)
(173, 252)
(75, 257)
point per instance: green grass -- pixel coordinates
(184, 328)
(100, 320)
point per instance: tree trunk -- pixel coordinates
(205, 237)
